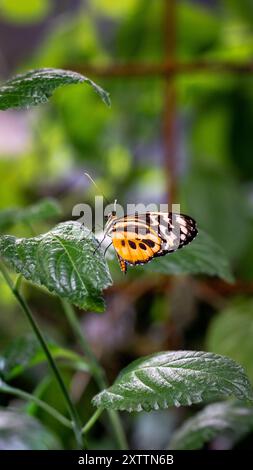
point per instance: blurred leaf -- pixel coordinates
(73, 41)
(244, 8)
(213, 117)
(42, 210)
(225, 215)
(72, 117)
(65, 260)
(236, 44)
(198, 28)
(244, 269)
(24, 12)
(26, 352)
(230, 333)
(31, 407)
(202, 256)
(225, 418)
(122, 156)
(21, 432)
(37, 86)
(240, 136)
(175, 378)
(114, 9)
(140, 34)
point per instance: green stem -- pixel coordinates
(97, 372)
(92, 420)
(96, 369)
(51, 362)
(38, 393)
(118, 429)
(18, 282)
(27, 396)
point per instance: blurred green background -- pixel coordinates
(45, 151)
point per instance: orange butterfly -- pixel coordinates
(139, 238)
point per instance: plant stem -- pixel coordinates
(27, 396)
(118, 429)
(92, 420)
(97, 372)
(38, 393)
(51, 362)
(96, 369)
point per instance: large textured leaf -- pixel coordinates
(26, 352)
(65, 260)
(225, 418)
(175, 378)
(21, 432)
(202, 256)
(37, 86)
(230, 332)
(42, 210)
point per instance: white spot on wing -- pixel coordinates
(181, 220)
(184, 230)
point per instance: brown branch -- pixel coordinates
(170, 103)
(136, 288)
(170, 68)
(160, 283)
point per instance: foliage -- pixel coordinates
(184, 301)
(42, 210)
(25, 352)
(19, 432)
(226, 418)
(230, 333)
(175, 378)
(66, 260)
(29, 11)
(37, 86)
(203, 256)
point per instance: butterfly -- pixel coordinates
(139, 238)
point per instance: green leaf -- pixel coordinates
(202, 256)
(198, 27)
(25, 12)
(225, 418)
(227, 211)
(42, 210)
(230, 333)
(26, 352)
(175, 378)
(115, 9)
(21, 432)
(37, 86)
(66, 260)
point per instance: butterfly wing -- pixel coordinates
(139, 238)
(175, 230)
(132, 248)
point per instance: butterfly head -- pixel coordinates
(111, 217)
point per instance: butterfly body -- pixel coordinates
(139, 238)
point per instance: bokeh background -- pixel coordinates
(180, 129)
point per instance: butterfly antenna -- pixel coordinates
(115, 205)
(96, 186)
(99, 245)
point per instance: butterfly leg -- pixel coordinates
(122, 263)
(99, 245)
(107, 248)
